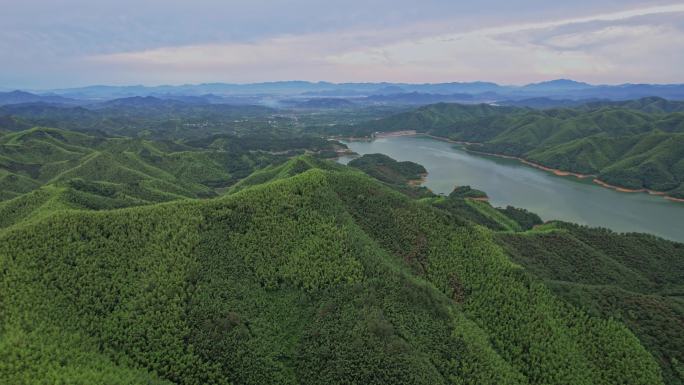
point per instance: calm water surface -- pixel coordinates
(509, 182)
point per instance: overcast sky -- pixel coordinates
(64, 43)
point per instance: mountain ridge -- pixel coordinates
(563, 88)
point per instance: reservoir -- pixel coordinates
(509, 182)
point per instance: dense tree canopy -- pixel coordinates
(320, 276)
(242, 256)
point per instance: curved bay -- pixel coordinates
(509, 182)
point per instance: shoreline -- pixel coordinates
(642, 190)
(419, 181)
(625, 189)
(450, 140)
(554, 171)
(394, 134)
(562, 172)
(479, 199)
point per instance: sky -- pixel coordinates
(67, 43)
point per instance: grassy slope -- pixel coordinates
(325, 276)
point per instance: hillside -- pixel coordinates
(19, 97)
(649, 105)
(607, 274)
(321, 276)
(319, 103)
(44, 168)
(405, 177)
(388, 170)
(432, 118)
(57, 156)
(145, 117)
(634, 144)
(634, 278)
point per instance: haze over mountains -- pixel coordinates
(550, 93)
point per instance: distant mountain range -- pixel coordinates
(20, 97)
(554, 93)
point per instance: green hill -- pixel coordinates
(296, 270)
(316, 275)
(609, 275)
(139, 116)
(634, 278)
(650, 105)
(388, 170)
(431, 118)
(136, 171)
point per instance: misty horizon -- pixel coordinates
(324, 82)
(78, 43)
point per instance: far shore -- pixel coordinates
(521, 160)
(419, 181)
(536, 165)
(395, 133)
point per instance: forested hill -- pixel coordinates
(386, 169)
(45, 168)
(310, 273)
(637, 279)
(634, 278)
(636, 144)
(649, 105)
(144, 116)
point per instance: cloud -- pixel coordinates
(285, 57)
(636, 45)
(612, 47)
(171, 41)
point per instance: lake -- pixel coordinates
(509, 182)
